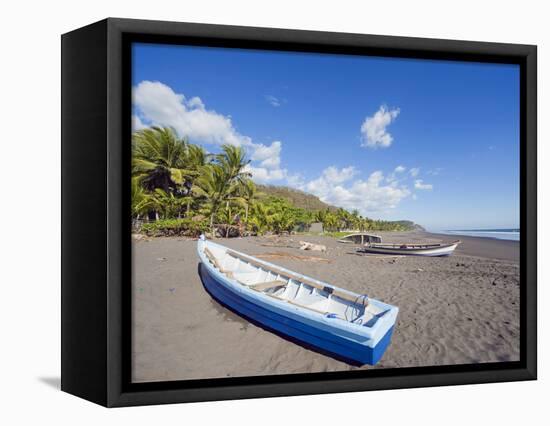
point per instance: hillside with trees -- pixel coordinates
(297, 198)
(180, 189)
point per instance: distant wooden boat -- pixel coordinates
(334, 321)
(444, 249)
(360, 238)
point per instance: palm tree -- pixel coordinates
(355, 219)
(168, 204)
(196, 156)
(159, 158)
(260, 218)
(233, 161)
(248, 193)
(330, 221)
(220, 181)
(142, 202)
(213, 186)
(282, 220)
(195, 159)
(321, 214)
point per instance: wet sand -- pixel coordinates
(453, 310)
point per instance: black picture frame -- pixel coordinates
(96, 262)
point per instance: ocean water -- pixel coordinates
(501, 234)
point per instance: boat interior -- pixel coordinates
(291, 288)
(360, 239)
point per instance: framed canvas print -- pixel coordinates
(253, 212)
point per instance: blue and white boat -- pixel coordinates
(331, 320)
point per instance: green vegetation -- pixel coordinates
(409, 225)
(181, 227)
(341, 219)
(337, 234)
(297, 198)
(179, 189)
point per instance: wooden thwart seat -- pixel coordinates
(268, 285)
(362, 300)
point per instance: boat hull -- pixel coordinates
(303, 333)
(431, 252)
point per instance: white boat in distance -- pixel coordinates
(441, 249)
(360, 238)
(336, 322)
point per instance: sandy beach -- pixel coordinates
(453, 310)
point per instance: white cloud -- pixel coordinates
(295, 180)
(273, 101)
(329, 179)
(373, 129)
(265, 175)
(158, 104)
(398, 175)
(334, 175)
(272, 163)
(137, 124)
(367, 196)
(419, 184)
(196, 102)
(266, 160)
(269, 156)
(414, 171)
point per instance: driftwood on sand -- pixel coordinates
(276, 241)
(282, 255)
(304, 245)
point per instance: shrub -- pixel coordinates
(174, 227)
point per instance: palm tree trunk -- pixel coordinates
(212, 224)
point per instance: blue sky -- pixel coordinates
(436, 142)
